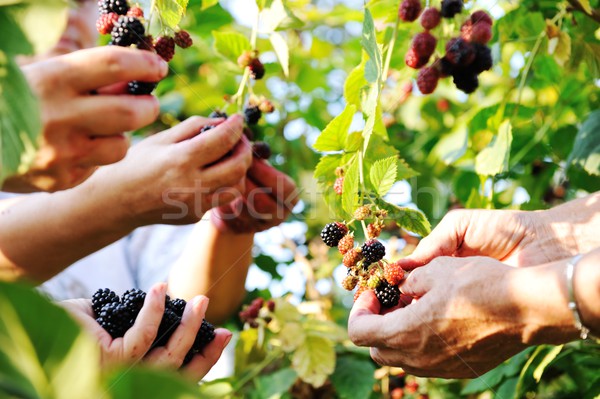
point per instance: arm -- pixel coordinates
(219, 253)
(169, 178)
(474, 313)
(517, 238)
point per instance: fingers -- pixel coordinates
(231, 169)
(187, 130)
(203, 362)
(444, 240)
(214, 144)
(183, 337)
(365, 323)
(90, 69)
(139, 338)
(106, 115)
(265, 175)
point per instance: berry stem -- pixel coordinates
(388, 57)
(239, 95)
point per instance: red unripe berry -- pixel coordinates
(409, 10)
(414, 61)
(424, 44)
(481, 16)
(271, 305)
(135, 12)
(106, 22)
(393, 273)
(430, 18)
(481, 33)
(427, 80)
(183, 39)
(165, 47)
(257, 69)
(338, 186)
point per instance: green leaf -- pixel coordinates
(353, 378)
(333, 137)
(42, 22)
(369, 44)
(208, 3)
(283, 52)
(585, 4)
(350, 188)
(18, 42)
(272, 17)
(20, 122)
(405, 171)
(452, 147)
(171, 11)
(354, 142)
(586, 150)
(314, 361)
(409, 219)
(231, 44)
(262, 4)
(292, 336)
(383, 175)
(485, 382)
(354, 85)
(325, 169)
(43, 348)
(216, 389)
(493, 159)
(276, 384)
(149, 383)
(550, 356)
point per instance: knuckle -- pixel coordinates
(115, 64)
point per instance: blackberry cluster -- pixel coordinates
(466, 56)
(333, 233)
(261, 150)
(117, 315)
(127, 31)
(257, 312)
(138, 88)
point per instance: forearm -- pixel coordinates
(42, 234)
(543, 292)
(214, 264)
(575, 224)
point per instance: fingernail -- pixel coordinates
(227, 340)
(200, 303)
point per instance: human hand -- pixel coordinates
(517, 238)
(175, 176)
(135, 345)
(82, 130)
(472, 314)
(268, 199)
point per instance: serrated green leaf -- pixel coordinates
(325, 169)
(20, 123)
(452, 147)
(231, 44)
(276, 384)
(485, 382)
(353, 378)
(383, 175)
(550, 356)
(208, 3)
(369, 44)
(292, 336)
(314, 361)
(493, 159)
(405, 171)
(354, 84)
(586, 150)
(409, 219)
(354, 142)
(283, 52)
(350, 188)
(171, 11)
(333, 137)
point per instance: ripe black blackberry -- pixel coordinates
(483, 58)
(218, 114)
(178, 306)
(332, 233)
(459, 52)
(261, 150)
(252, 114)
(388, 294)
(207, 128)
(138, 88)
(169, 322)
(373, 251)
(205, 335)
(127, 31)
(102, 297)
(451, 7)
(257, 69)
(133, 299)
(466, 80)
(119, 7)
(115, 318)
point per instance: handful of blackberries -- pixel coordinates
(117, 315)
(466, 55)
